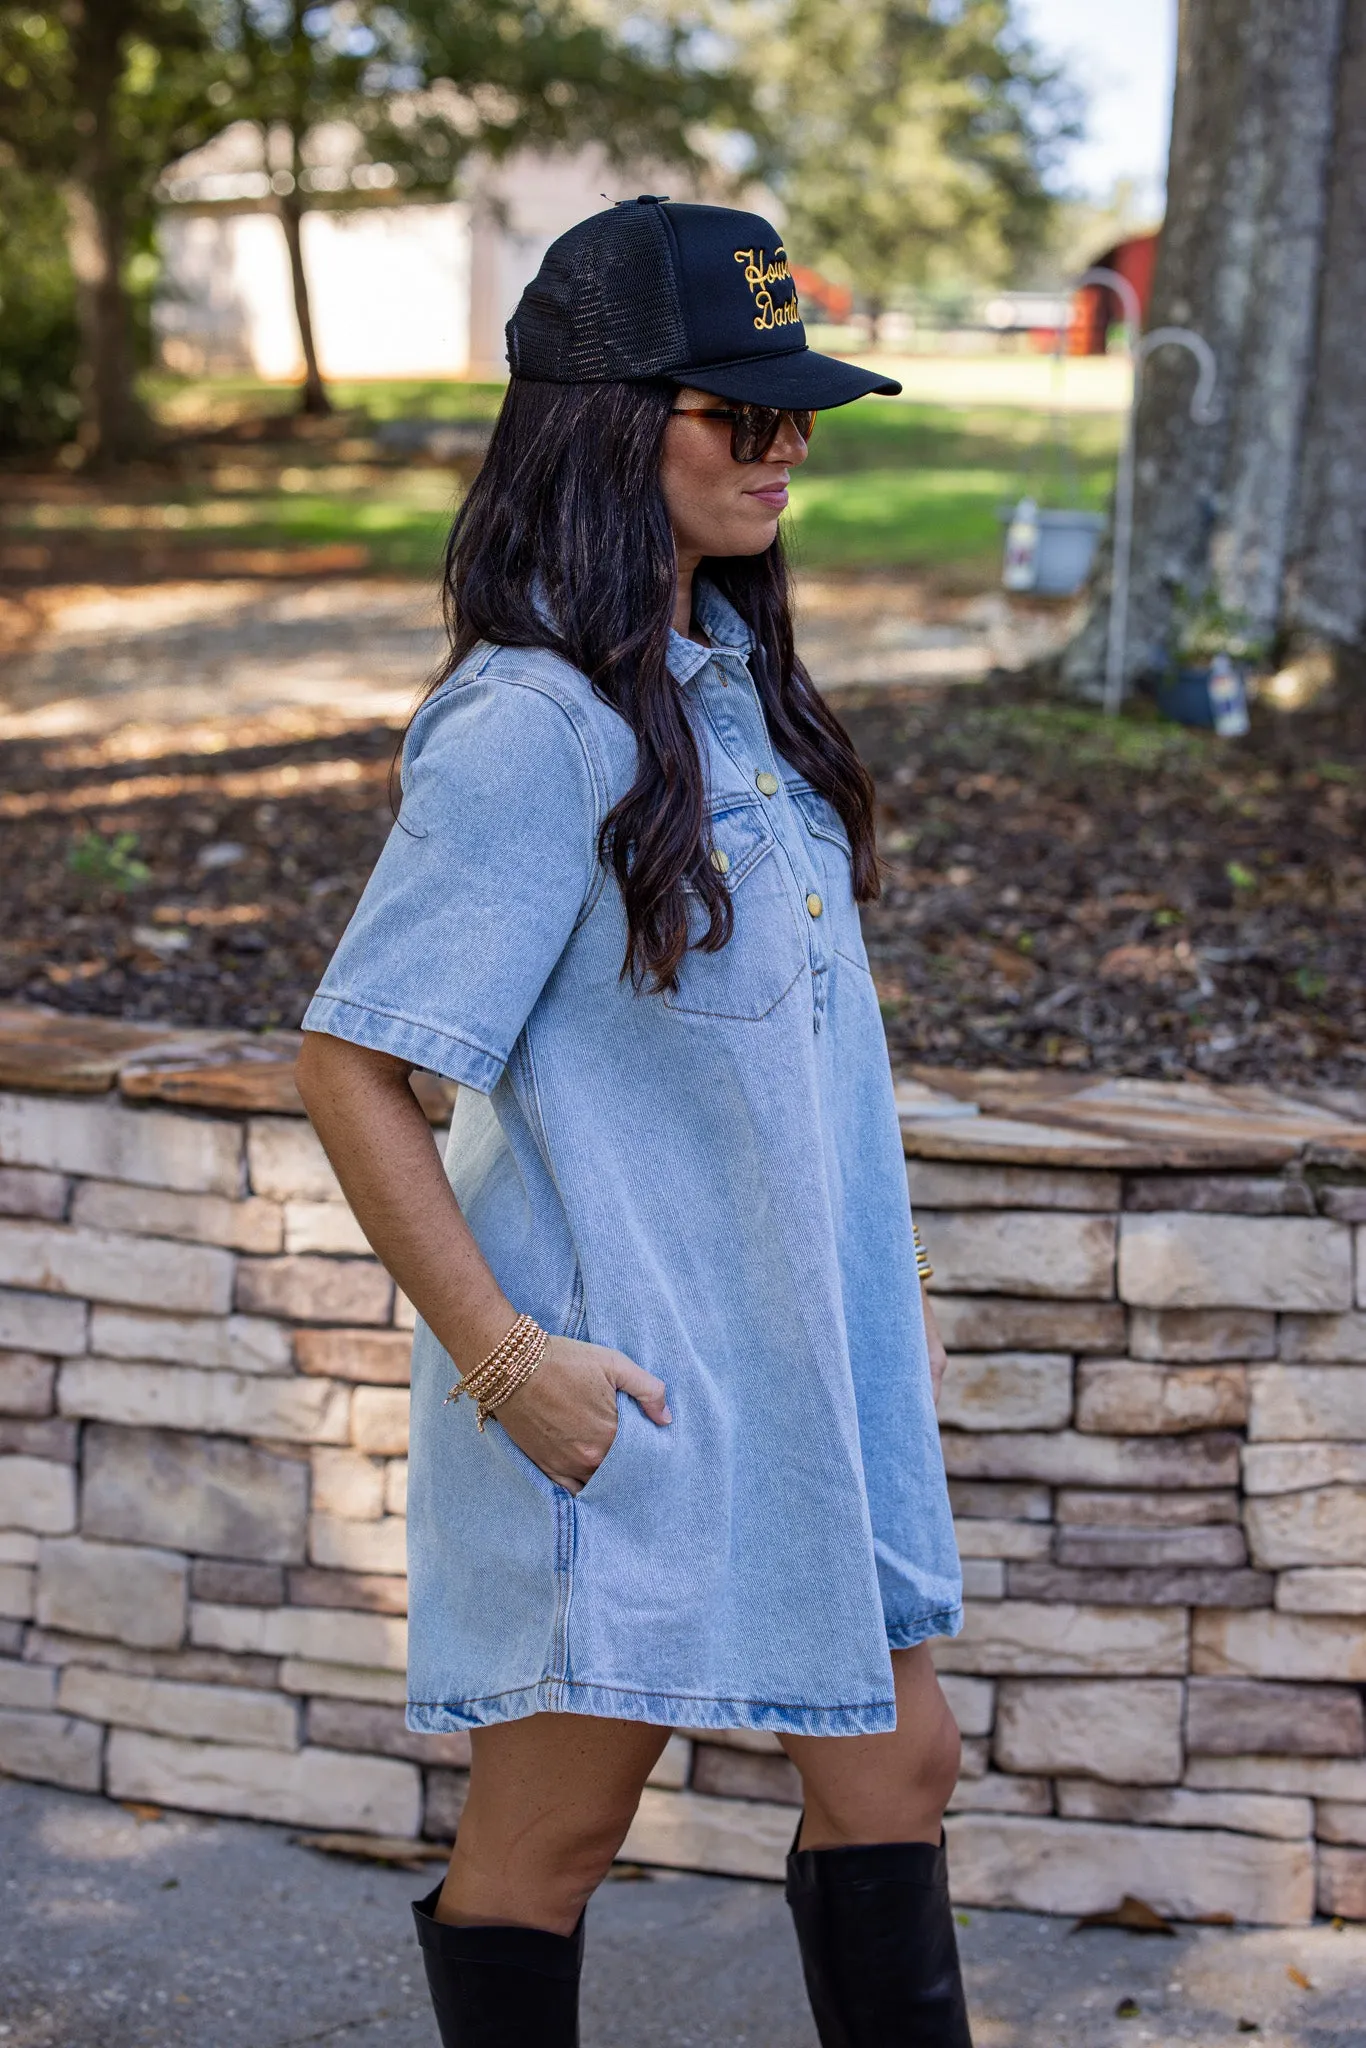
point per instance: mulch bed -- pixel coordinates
(1133, 899)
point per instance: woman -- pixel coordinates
(672, 1265)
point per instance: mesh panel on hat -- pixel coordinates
(603, 304)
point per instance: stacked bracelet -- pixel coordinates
(922, 1257)
(508, 1366)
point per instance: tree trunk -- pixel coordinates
(114, 426)
(1325, 586)
(313, 398)
(1291, 122)
(1239, 260)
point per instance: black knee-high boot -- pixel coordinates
(501, 1987)
(878, 1949)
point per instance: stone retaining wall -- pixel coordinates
(1154, 1423)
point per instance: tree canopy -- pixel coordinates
(910, 139)
(426, 84)
(905, 138)
(98, 97)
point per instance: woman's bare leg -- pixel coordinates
(862, 1789)
(550, 1801)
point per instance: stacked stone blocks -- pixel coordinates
(1154, 1426)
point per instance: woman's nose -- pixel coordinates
(788, 445)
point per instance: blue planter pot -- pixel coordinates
(1214, 698)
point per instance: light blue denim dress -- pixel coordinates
(710, 1181)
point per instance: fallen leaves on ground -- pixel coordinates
(141, 1812)
(1134, 1914)
(394, 1850)
(1124, 897)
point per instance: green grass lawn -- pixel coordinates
(888, 483)
(182, 402)
(403, 529)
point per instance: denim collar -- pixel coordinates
(722, 625)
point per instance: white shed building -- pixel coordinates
(398, 287)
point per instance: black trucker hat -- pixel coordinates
(701, 295)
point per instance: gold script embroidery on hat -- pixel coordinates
(760, 273)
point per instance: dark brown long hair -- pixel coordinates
(563, 542)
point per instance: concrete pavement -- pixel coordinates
(179, 1932)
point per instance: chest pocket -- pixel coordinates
(766, 953)
(830, 844)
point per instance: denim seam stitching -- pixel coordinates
(769, 844)
(736, 1017)
(597, 777)
(467, 671)
(541, 1130)
(417, 1023)
(597, 783)
(564, 1589)
(654, 1692)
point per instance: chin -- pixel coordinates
(752, 543)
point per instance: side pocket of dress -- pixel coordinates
(577, 1317)
(518, 1457)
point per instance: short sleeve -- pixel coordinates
(480, 884)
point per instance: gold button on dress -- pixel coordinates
(766, 784)
(720, 860)
(814, 904)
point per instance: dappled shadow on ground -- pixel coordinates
(1125, 897)
(134, 1929)
(200, 875)
(1038, 1983)
(124, 1932)
(88, 658)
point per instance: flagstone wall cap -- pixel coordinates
(1345, 1148)
(1043, 1117)
(992, 1117)
(233, 1072)
(251, 1073)
(917, 1100)
(56, 1053)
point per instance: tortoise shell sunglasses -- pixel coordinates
(753, 428)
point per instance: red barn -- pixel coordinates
(1096, 308)
(820, 298)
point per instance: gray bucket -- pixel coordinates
(1049, 554)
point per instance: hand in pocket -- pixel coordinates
(565, 1416)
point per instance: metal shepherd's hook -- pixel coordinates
(1202, 411)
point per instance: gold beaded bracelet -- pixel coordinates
(922, 1257)
(508, 1366)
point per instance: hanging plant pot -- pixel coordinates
(1049, 554)
(1213, 696)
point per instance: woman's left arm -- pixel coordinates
(939, 1357)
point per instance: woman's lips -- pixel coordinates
(772, 495)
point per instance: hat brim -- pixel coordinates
(798, 380)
